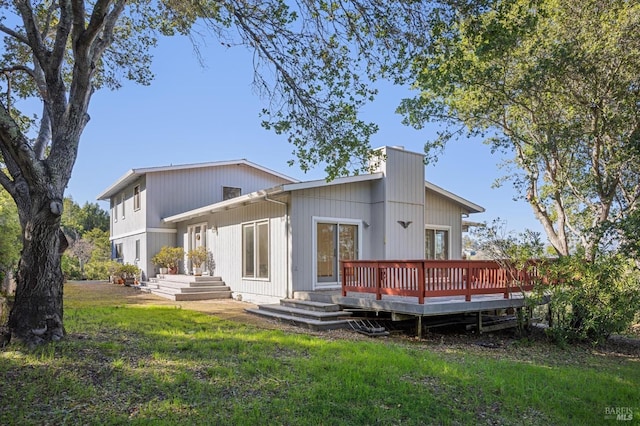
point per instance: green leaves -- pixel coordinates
(554, 83)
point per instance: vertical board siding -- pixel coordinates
(178, 191)
(224, 240)
(134, 220)
(349, 201)
(404, 180)
(443, 212)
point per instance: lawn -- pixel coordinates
(128, 363)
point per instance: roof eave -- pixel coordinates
(468, 205)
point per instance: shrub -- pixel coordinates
(168, 257)
(592, 300)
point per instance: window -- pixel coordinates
(229, 192)
(114, 209)
(122, 199)
(137, 250)
(436, 244)
(118, 255)
(136, 197)
(255, 250)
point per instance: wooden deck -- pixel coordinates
(427, 279)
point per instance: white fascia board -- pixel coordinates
(338, 181)
(242, 200)
(472, 207)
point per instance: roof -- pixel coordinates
(466, 204)
(133, 174)
(261, 195)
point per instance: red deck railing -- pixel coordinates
(434, 278)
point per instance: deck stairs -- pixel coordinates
(188, 287)
(305, 313)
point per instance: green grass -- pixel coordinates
(126, 364)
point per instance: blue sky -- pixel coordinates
(192, 113)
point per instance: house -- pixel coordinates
(271, 235)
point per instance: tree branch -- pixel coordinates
(14, 34)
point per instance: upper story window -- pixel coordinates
(229, 192)
(114, 209)
(136, 197)
(122, 202)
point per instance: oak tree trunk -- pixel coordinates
(36, 316)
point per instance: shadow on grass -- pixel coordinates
(165, 365)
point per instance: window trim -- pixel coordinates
(227, 189)
(256, 247)
(314, 249)
(136, 198)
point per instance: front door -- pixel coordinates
(196, 237)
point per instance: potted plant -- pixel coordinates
(176, 254)
(197, 257)
(169, 257)
(160, 260)
(128, 274)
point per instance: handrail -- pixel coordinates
(436, 278)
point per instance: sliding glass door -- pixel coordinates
(335, 241)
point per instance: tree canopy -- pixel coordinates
(313, 64)
(556, 85)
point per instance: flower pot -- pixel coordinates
(197, 271)
(164, 271)
(173, 270)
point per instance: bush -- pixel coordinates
(70, 268)
(168, 257)
(97, 270)
(592, 300)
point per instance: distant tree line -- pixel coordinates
(85, 227)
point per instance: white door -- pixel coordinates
(196, 237)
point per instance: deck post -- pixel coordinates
(419, 327)
(421, 283)
(467, 283)
(379, 282)
(344, 279)
(479, 322)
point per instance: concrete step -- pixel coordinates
(195, 284)
(310, 323)
(192, 296)
(310, 305)
(305, 313)
(187, 278)
(192, 290)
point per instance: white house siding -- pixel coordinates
(178, 191)
(132, 220)
(347, 201)
(441, 212)
(404, 193)
(128, 227)
(224, 240)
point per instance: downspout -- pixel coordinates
(286, 230)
